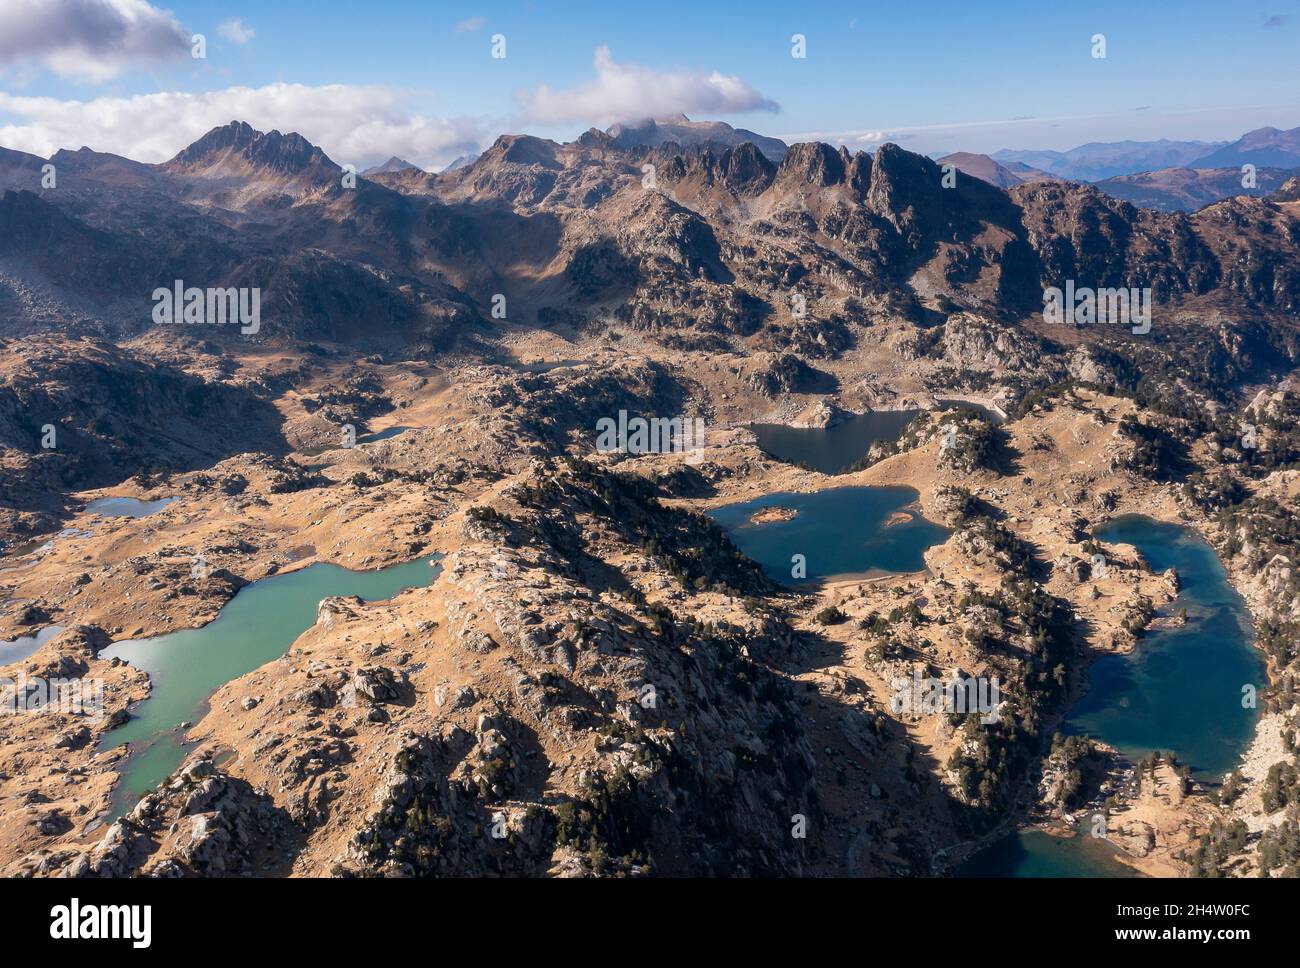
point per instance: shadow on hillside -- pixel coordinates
(87, 415)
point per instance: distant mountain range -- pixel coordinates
(1169, 176)
(1112, 165)
(1263, 147)
(1097, 161)
(651, 133)
(1165, 175)
(986, 169)
(405, 260)
(1188, 189)
(1093, 162)
(395, 165)
(1165, 190)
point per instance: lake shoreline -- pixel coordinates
(156, 727)
(911, 468)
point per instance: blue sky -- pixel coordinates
(934, 76)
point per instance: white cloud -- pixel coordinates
(235, 31)
(868, 138)
(470, 24)
(628, 92)
(90, 40)
(361, 125)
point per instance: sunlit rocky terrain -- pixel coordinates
(596, 680)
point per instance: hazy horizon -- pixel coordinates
(424, 85)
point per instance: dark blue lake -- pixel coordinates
(840, 532)
(1180, 691)
(1033, 853)
(832, 450)
(835, 449)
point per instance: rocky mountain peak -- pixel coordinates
(679, 129)
(901, 182)
(523, 149)
(857, 170)
(392, 164)
(239, 143)
(595, 138)
(234, 136)
(812, 163)
(746, 169)
(20, 169)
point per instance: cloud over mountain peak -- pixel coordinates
(628, 92)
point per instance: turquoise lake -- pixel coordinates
(255, 627)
